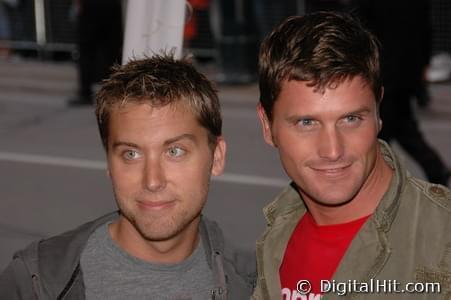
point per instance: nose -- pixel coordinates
(330, 144)
(154, 179)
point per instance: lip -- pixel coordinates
(156, 205)
(332, 171)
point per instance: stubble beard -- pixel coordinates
(160, 227)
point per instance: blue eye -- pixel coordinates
(176, 151)
(352, 118)
(131, 155)
(305, 122)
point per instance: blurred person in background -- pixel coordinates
(352, 213)
(160, 124)
(100, 35)
(404, 30)
(5, 27)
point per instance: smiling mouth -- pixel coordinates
(156, 205)
(332, 170)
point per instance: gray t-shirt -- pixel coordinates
(111, 273)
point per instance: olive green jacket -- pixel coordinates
(408, 239)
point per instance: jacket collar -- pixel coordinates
(388, 206)
(372, 238)
(288, 201)
(59, 256)
(213, 242)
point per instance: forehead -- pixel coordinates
(143, 109)
(141, 121)
(299, 97)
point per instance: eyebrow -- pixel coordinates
(295, 118)
(363, 110)
(119, 144)
(187, 136)
(184, 136)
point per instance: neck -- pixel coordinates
(364, 203)
(169, 251)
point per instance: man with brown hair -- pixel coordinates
(353, 222)
(160, 124)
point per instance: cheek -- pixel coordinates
(190, 184)
(293, 156)
(292, 147)
(124, 179)
(122, 185)
(189, 174)
(371, 153)
(365, 149)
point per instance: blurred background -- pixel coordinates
(53, 53)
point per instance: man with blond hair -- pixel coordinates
(160, 124)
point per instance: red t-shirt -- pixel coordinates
(314, 252)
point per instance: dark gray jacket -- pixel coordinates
(50, 268)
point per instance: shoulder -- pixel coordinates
(71, 242)
(219, 243)
(436, 195)
(426, 208)
(425, 229)
(60, 248)
(15, 281)
(238, 262)
(46, 262)
(241, 268)
(285, 203)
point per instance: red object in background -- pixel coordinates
(190, 31)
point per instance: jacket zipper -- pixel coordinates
(70, 283)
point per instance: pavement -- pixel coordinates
(52, 165)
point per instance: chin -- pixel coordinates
(331, 195)
(164, 229)
(332, 201)
(158, 232)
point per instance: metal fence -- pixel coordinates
(42, 25)
(49, 25)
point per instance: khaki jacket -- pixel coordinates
(407, 239)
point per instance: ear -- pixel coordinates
(378, 110)
(219, 157)
(380, 123)
(107, 171)
(266, 125)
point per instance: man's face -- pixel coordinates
(160, 163)
(327, 141)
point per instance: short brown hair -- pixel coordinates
(323, 48)
(159, 80)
